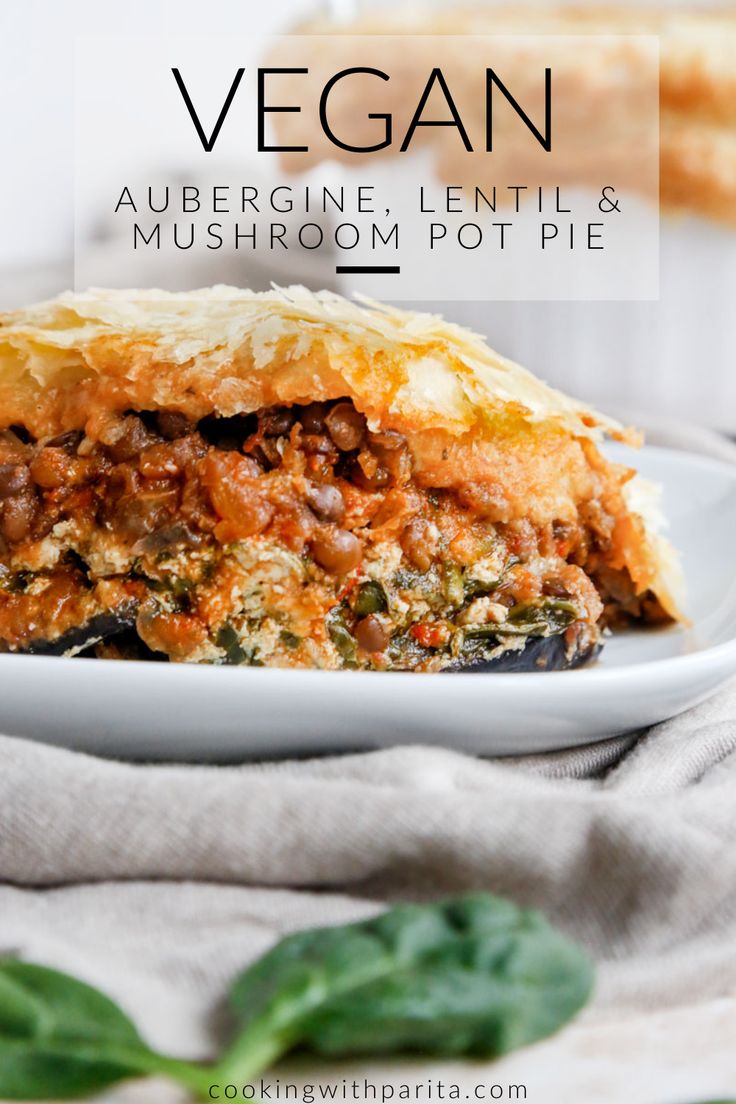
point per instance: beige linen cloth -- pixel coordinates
(159, 883)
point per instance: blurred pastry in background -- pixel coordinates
(697, 88)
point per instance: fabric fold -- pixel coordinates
(636, 864)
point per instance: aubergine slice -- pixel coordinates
(540, 653)
(543, 627)
(103, 626)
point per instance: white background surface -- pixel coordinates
(36, 94)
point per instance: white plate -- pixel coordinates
(173, 711)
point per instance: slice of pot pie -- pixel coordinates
(292, 479)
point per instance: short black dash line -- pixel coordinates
(354, 270)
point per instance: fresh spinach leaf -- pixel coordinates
(472, 976)
(60, 1038)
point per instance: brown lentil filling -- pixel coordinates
(312, 479)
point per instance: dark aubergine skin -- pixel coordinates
(103, 626)
(540, 653)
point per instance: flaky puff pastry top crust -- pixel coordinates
(468, 414)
